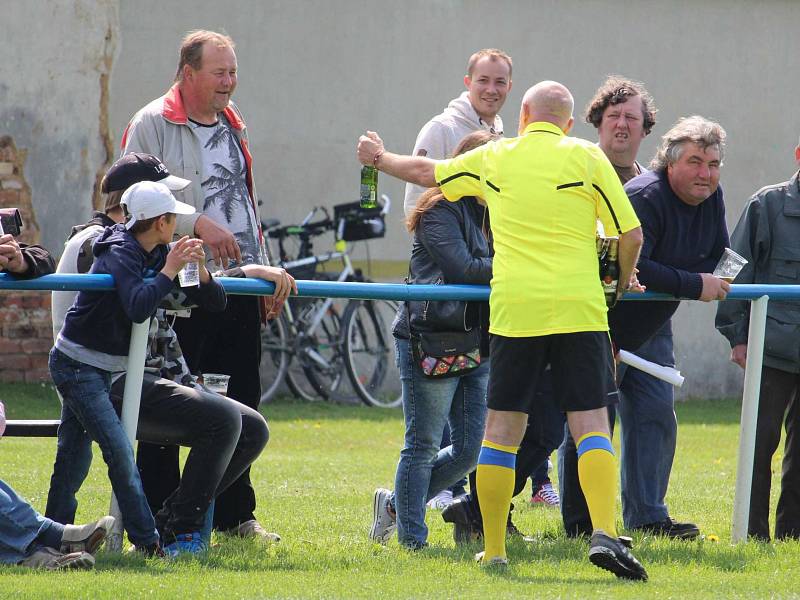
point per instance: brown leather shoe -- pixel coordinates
(253, 529)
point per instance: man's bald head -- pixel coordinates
(547, 101)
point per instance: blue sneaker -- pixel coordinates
(185, 543)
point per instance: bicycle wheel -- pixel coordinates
(317, 369)
(368, 352)
(276, 354)
(296, 379)
(321, 352)
(298, 384)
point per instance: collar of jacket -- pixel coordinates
(543, 127)
(794, 186)
(175, 112)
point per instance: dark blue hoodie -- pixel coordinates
(101, 321)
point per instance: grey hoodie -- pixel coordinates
(440, 136)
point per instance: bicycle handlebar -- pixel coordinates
(316, 228)
(314, 211)
(304, 229)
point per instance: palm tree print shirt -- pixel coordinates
(227, 201)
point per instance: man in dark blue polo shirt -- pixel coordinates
(679, 203)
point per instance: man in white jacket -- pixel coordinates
(488, 81)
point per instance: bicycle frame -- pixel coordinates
(307, 324)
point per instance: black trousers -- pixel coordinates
(574, 510)
(229, 343)
(542, 435)
(225, 437)
(777, 404)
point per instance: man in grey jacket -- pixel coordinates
(488, 81)
(768, 236)
(200, 135)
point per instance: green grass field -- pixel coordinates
(315, 482)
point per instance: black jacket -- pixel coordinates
(37, 260)
(449, 247)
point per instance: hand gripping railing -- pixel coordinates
(758, 294)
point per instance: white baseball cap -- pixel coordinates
(148, 199)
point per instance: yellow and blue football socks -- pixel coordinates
(597, 473)
(495, 482)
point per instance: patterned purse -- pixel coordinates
(447, 354)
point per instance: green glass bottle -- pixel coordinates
(609, 272)
(369, 187)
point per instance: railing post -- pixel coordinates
(747, 431)
(130, 413)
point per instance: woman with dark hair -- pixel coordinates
(452, 244)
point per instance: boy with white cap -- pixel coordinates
(174, 410)
(93, 343)
(77, 254)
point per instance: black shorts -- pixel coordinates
(582, 366)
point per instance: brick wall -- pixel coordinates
(25, 325)
(25, 336)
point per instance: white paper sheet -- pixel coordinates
(667, 374)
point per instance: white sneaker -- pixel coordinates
(441, 500)
(53, 560)
(496, 562)
(384, 521)
(86, 538)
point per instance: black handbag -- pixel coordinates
(442, 354)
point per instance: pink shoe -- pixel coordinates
(546, 496)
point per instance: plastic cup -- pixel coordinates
(216, 382)
(729, 265)
(189, 275)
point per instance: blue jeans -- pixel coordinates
(649, 433)
(424, 469)
(457, 489)
(22, 529)
(88, 414)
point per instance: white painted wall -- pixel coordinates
(314, 74)
(53, 55)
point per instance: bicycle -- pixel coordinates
(315, 341)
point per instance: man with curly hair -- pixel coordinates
(623, 112)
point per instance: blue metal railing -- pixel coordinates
(361, 291)
(758, 294)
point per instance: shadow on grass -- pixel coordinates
(30, 401)
(709, 412)
(291, 409)
(559, 553)
(40, 401)
(650, 551)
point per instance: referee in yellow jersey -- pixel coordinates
(545, 192)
